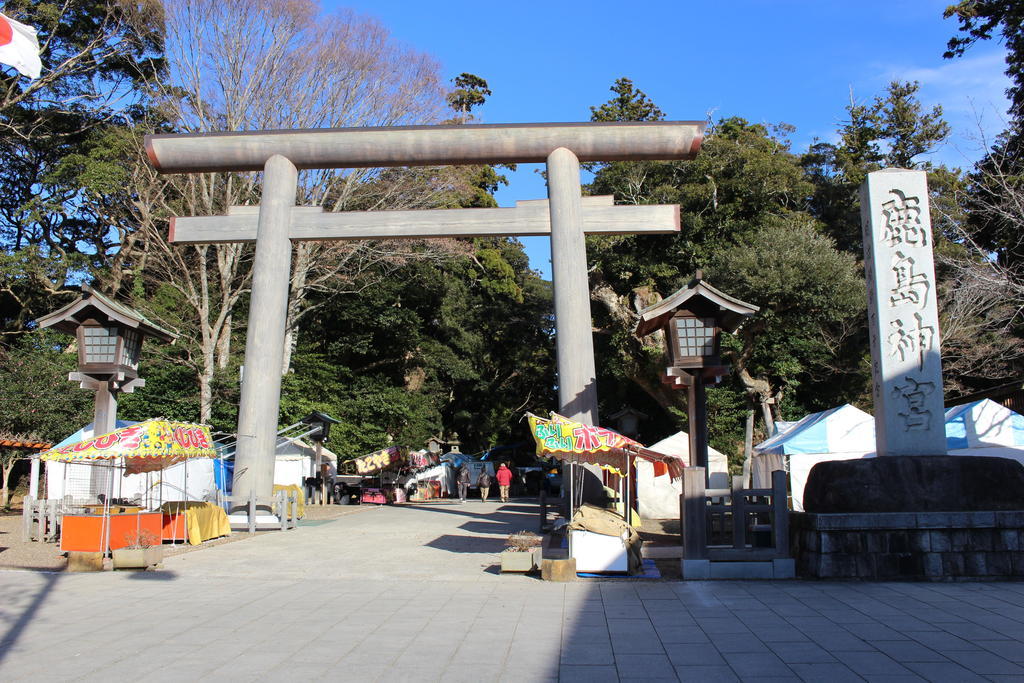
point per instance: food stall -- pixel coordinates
(375, 464)
(597, 544)
(144, 448)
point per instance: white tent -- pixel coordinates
(842, 433)
(443, 472)
(658, 497)
(295, 460)
(985, 428)
(83, 481)
(979, 428)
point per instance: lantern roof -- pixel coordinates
(94, 305)
(628, 411)
(317, 416)
(698, 294)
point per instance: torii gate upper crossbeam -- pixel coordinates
(424, 145)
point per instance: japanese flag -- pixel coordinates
(19, 47)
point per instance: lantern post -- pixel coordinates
(109, 336)
(692, 321)
(321, 424)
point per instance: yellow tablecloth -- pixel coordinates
(300, 497)
(203, 521)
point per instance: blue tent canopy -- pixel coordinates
(844, 429)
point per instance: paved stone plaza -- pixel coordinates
(412, 593)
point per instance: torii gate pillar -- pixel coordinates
(574, 336)
(264, 339)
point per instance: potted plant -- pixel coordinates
(142, 550)
(519, 552)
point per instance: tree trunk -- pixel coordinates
(206, 382)
(8, 466)
(766, 412)
(748, 447)
(301, 265)
(224, 344)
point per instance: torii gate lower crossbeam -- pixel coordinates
(260, 401)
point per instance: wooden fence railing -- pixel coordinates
(284, 505)
(41, 518)
(731, 524)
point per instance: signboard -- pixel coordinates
(150, 439)
(378, 460)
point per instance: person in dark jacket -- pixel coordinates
(463, 481)
(484, 482)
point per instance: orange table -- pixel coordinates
(87, 533)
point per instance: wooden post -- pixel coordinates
(252, 512)
(693, 515)
(543, 508)
(41, 514)
(54, 521)
(697, 413)
(738, 504)
(318, 445)
(33, 484)
(780, 513)
(26, 518)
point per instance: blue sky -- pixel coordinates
(769, 61)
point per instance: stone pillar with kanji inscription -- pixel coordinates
(903, 319)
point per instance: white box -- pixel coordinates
(597, 552)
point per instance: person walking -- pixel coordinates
(463, 481)
(484, 482)
(504, 477)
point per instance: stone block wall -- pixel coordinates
(929, 546)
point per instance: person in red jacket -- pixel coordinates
(504, 477)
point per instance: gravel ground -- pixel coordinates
(17, 554)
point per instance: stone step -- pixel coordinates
(706, 569)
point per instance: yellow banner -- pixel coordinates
(560, 435)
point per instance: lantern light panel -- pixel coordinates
(696, 336)
(100, 344)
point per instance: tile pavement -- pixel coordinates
(412, 594)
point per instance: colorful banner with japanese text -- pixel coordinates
(563, 439)
(378, 460)
(150, 439)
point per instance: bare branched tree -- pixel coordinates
(280, 64)
(982, 299)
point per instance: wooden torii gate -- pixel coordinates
(565, 216)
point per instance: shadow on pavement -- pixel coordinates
(17, 625)
(467, 544)
(498, 526)
(522, 508)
